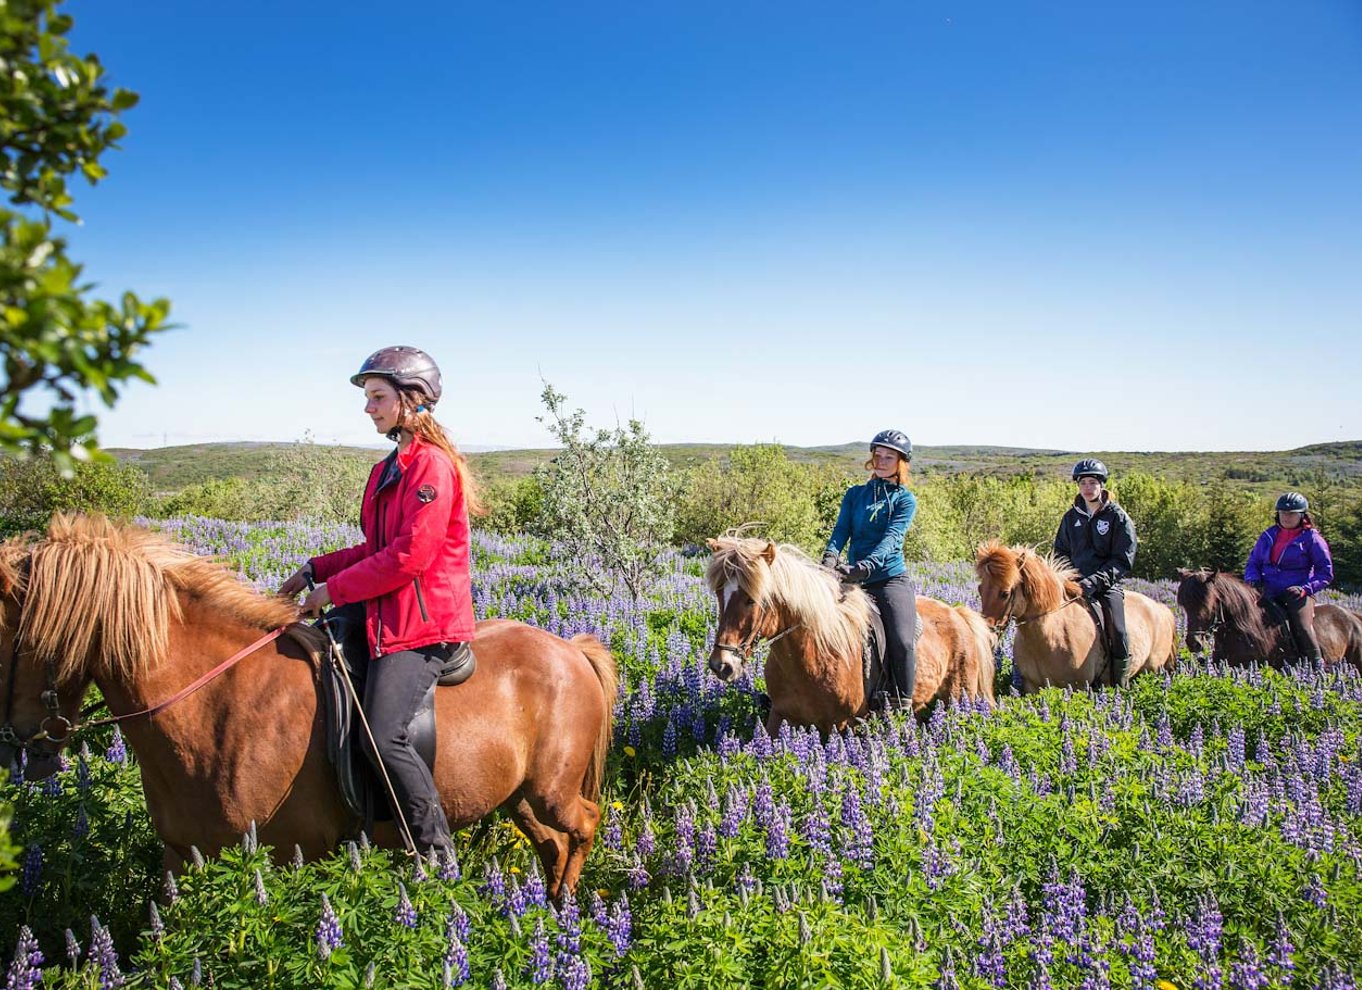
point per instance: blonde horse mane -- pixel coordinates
(100, 596)
(783, 575)
(1046, 581)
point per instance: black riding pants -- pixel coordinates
(896, 599)
(1113, 602)
(393, 690)
(1300, 616)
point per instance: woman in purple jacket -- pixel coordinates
(1289, 564)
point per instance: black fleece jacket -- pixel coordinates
(1100, 546)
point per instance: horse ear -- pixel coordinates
(769, 554)
(712, 544)
(1184, 573)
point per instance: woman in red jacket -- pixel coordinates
(411, 572)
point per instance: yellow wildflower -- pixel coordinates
(1165, 985)
(630, 752)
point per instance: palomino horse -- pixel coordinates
(1227, 614)
(1057, 641)
(143, 618)
(817, 629)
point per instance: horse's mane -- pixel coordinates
(1046, 581)
(1208, 590)
(835, 618)
(100, 596)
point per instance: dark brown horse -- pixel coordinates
(817, 627)
(1224, 612)
(141, 618)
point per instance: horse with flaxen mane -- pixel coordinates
(1057, 641)
(817, 628)
(1231, 617)
(142, 618)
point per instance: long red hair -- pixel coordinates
(418, 421)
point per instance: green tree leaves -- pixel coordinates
(56, 119)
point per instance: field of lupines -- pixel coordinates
(1196, 831)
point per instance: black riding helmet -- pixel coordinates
(1090, 467)
(1293, 502)
(408, 367)
(894, 440)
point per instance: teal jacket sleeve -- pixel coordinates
(891, 544)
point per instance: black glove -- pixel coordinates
(1296, 591)
(830, 560)
(1089, 588)
(1256, 585)
(856, 573)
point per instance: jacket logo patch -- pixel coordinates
(426, 493)
(1102, 526)
(1078, 523)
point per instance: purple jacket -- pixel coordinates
(1304, 562)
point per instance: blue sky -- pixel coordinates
(1072, 225)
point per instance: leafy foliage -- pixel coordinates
(57, 119)
(31, 490)
(606, 500)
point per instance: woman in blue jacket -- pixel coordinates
(1289, 565)
(873, 519)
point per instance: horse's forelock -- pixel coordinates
(999, 562)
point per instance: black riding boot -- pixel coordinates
(1300, 616)
(1118, 638)
(897, 602)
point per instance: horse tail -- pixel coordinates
(984, 642)
(607, 675)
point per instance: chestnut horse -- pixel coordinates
(1057, 641)
(142, 618)
(818, 627)
(1227, 614)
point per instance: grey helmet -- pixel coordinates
(1090, 467)
(408, 367)
(894, 440)
(1293, 502)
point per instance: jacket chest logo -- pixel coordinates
(1103, 526)
(873, 509)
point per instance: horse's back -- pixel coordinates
(1339, 632)
(1161, 628)
(533, 707)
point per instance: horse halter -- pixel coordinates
(743, 651)
(51, 701)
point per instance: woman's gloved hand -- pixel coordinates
(831, 560)
(856, 573)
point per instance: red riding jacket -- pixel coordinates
(412, 570)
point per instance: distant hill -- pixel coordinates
(173, 468)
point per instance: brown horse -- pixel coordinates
(818, 627)
(1057, 641)
(1227, 614)
(142, 618)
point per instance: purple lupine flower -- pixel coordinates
(118, 750)
(778, 832)
(103, 957)
(456, 970)
(493, 881)
(158, 927)
(638, 875)
(456, 923)
(72, 949)
(1314, 891)
(861, 845)
(449, 866)
(735, 810)
(669, 739)
(1280, 954)
(1247, 973)
(405, 914)
(262, 896)
(328, 934)
(498, 981)
(26, 969)
(620, 928)
(541, 968)
(684, 839)
(33, 870)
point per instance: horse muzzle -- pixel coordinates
(724, 668)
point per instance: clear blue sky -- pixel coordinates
(1075, 225)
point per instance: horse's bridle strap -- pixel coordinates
(188, 689)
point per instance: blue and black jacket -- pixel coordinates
(874, 518)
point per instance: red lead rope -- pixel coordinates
(186, 691)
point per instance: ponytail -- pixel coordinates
(418, 421)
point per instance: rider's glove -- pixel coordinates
(1089, 588)
(1296, 591)
(830, 560)
(857, 573)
